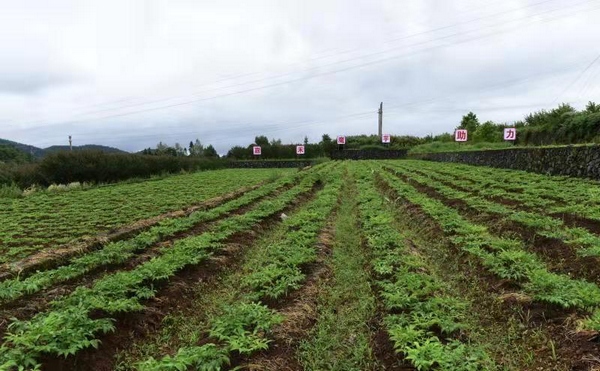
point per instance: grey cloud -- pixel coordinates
(172, 52)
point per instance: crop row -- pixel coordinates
(244, 327)
(586, 244)
(562, 194)
(580, 200)
(504, 257)
(75, 321)
(425, 321)
(121, 251)
(46, 220)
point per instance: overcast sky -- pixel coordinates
(131, 73)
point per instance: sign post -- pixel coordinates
(510, 134)
(386, 139)
(341, 141)
(300, 150)
(460, 135)
(256, 151)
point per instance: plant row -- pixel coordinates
(585, 243)
(121, 251)
(47, 220)
(562, 194)
(504, 257)
(75, 321)
(425, 322)
(244, 327)
(582, 199)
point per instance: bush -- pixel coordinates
(99, 167)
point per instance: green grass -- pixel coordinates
(456, 147)
(340, 339)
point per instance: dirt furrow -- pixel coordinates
(300, 312)
(172, 295)
(29, 305)
(556, 254)
(54, 257)
(540, 329)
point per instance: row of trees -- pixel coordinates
(195, 149)
(275, 149)
(561, 125)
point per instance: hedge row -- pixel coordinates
(99, 167)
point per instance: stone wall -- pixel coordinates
(351, 154)
(576, 161)
(261, 164)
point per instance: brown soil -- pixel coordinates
(53, 257)
(300, 312)
(570, 220)
(29, 305)
(577, 351)
(577, 221)
(172, 295)
(560, 257)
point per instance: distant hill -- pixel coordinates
(35, 151)
(95, 147)
(41, 152)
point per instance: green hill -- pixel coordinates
(18, 152)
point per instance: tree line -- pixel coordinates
(561, 125)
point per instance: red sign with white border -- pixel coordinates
(386, 138)
(460, 135)
(341, 140)
(256, 150)
(299, 150)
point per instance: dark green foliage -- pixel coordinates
(10, 154)
(100, 167)
(276, 150)
(469, 122)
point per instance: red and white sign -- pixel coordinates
(460, 135)
(256, 151)
(341, 140)
(510, 134)
(386, 138)
(299, 150)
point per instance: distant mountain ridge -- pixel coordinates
(41, 152)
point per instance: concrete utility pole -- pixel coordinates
(380, 119)
(70, 143)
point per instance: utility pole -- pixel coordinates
(70, 143)
(380, 119)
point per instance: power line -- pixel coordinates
(236, 76)
(279, 126)
(342, 69)
(576, 79)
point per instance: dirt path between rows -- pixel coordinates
(172, 295)
(52, 257)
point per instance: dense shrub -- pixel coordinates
(99, 167)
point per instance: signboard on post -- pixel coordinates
(460, 135)
(299, 150)
(386, 138)
(256, 151)
(510, 134)
(341, 140)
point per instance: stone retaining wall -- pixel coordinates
(368, 154)
(575, 161)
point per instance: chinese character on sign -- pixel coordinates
(386, 138)
(510, 134)
(299, 150)
(460, 135)
(256, 150)
(341, 140)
